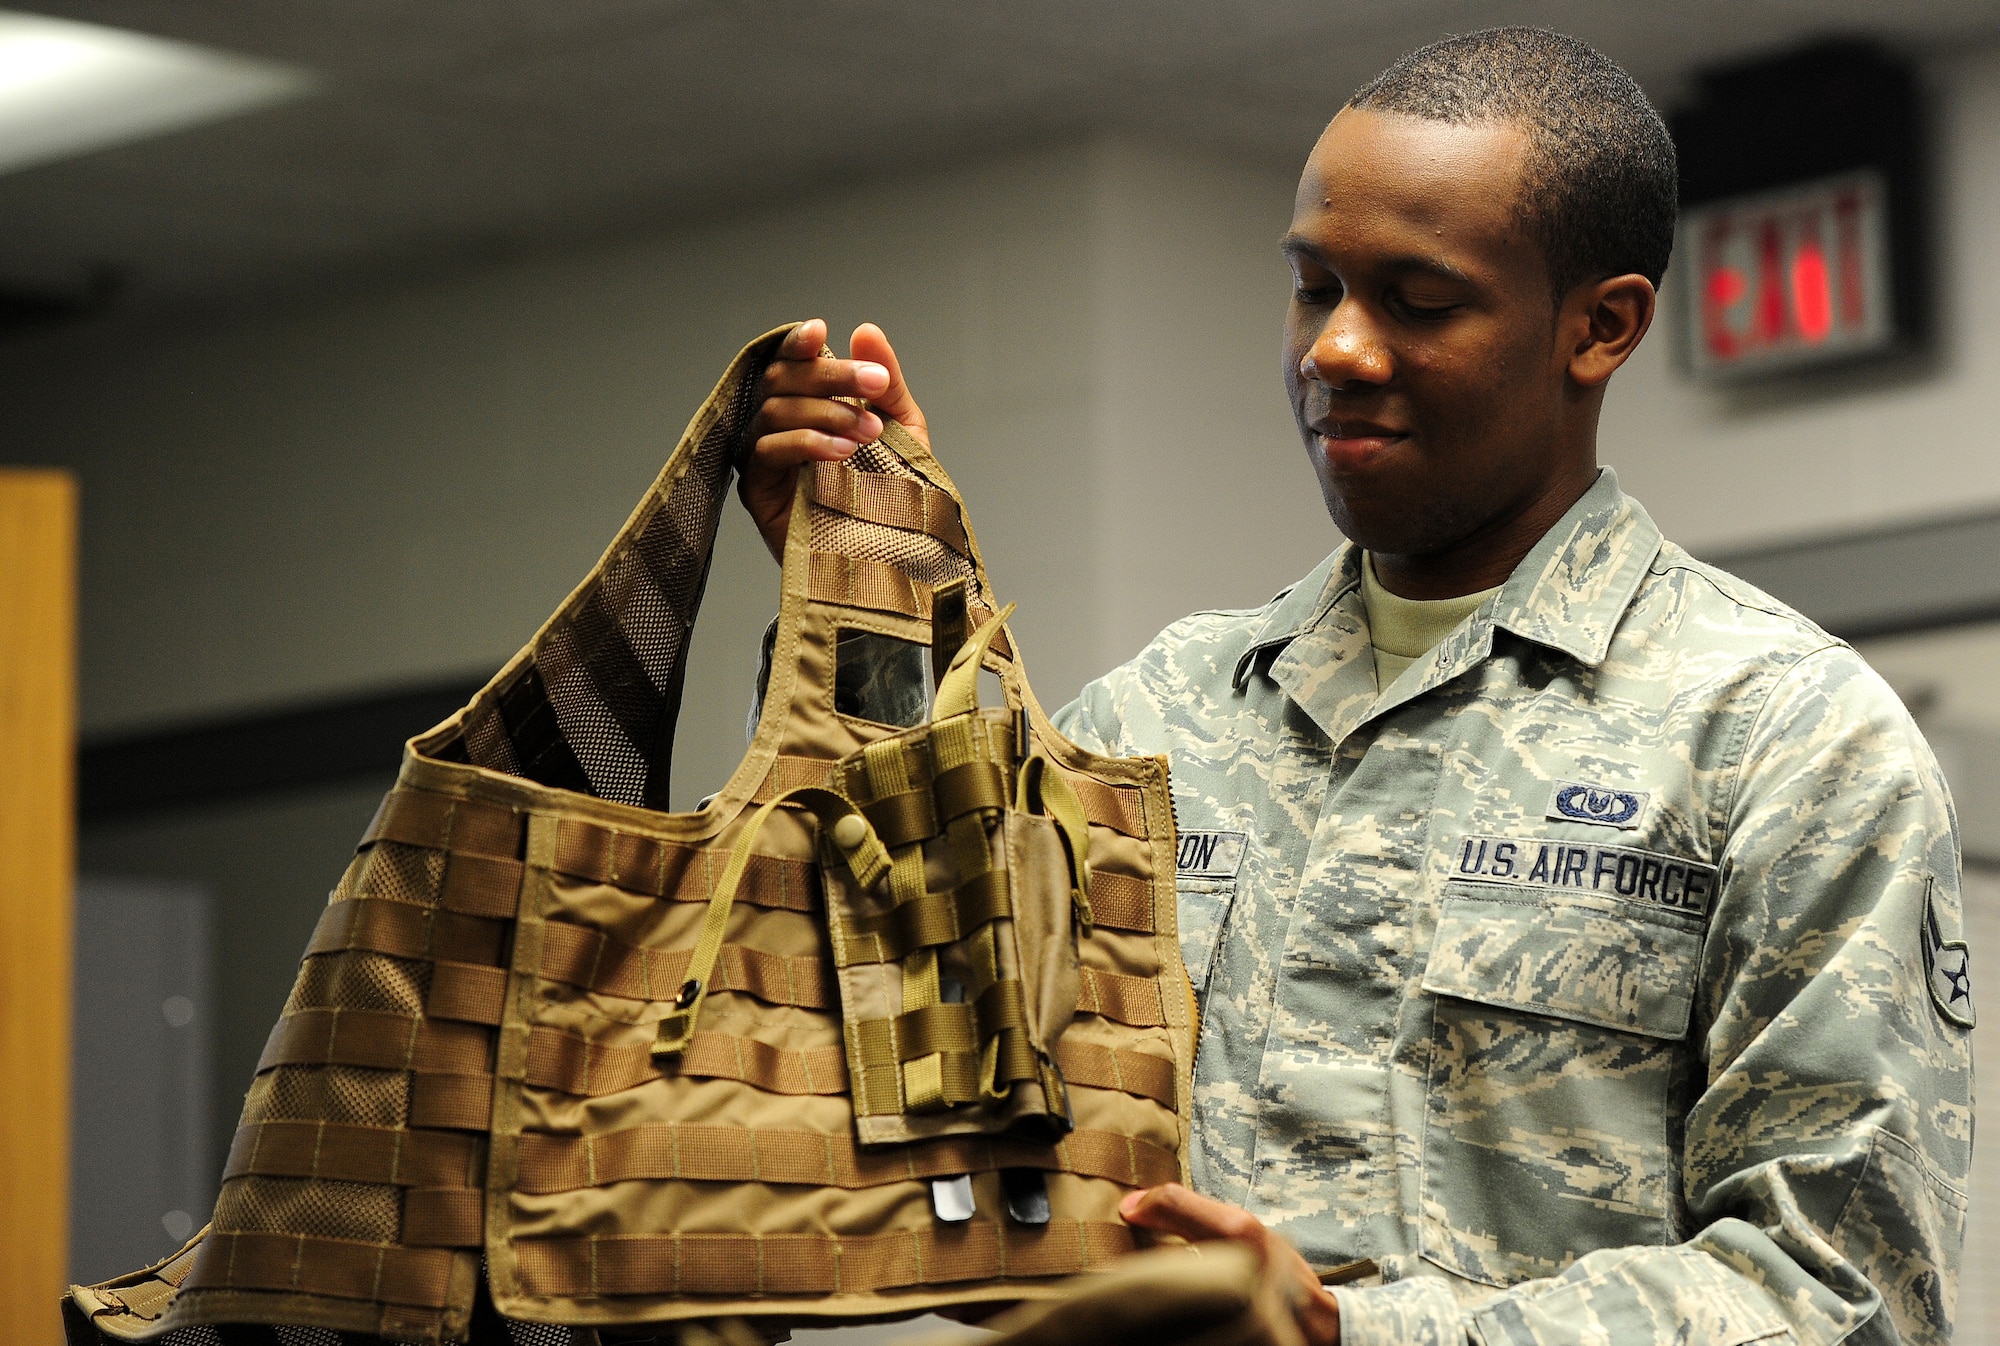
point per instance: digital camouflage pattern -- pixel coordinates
(1659, 1058)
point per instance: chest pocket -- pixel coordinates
(1204, 906)
(1205, 877)
(1557, 1046)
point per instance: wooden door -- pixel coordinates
(37, 859)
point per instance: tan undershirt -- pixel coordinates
(1404, 630)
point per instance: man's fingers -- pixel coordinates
(805, 341)
(1173, 1209)
(826, 377)
(815, 408)
(780, 415)
(871, 345)
(787, 449)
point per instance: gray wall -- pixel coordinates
(142, 1144)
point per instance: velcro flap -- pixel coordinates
(1595, 960)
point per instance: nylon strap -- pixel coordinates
(896, 501)
(593, 960)
(461, 1102)
(465, 992)
(1118, 807)
(1121, 901)
(1044, 789)
(658, 868)
(950, 625)
(445, 822)
(852, 582)
(385, 1041)
(933, 919)
(1090, 1065)
(402, 930)
(1129, 1000)
(814, 1264)
(904, 818)
(788, 773)
(444, 1217)
(694, 1152)
(336, 1268)
(351, 1153)
(958, 690)
(867, 862)
(569, 1064)
(960, 789)
(955, 1053)
(479, 883)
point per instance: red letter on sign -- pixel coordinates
(1812, 301)
(1721, 287)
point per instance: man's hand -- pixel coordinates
(1173, 1209)
(801, 421)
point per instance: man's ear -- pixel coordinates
(1606, 320)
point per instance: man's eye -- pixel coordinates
(1425, 307)
(1308, 293)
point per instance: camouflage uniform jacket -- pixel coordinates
(1600, 981)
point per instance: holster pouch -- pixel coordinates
(891, 1022)
(958, 967)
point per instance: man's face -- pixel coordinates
(1431, 397)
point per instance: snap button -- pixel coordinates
(850, 831)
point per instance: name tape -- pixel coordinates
(1614, 871)
(1209, 855)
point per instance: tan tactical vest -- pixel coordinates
(891, 1022)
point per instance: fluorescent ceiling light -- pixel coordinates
(68, 88)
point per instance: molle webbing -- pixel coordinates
(754, 1265)
(556, 1055)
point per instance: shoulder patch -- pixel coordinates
(1576, 802)
(1209, 855)
(1947, 966)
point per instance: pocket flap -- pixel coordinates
(1595, 960)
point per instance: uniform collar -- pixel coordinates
(1569, 593)
(1300, 608)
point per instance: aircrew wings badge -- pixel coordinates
(1947, 967)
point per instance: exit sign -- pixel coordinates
(1788, 279)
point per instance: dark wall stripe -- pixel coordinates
(212, 761)
(1886, 582)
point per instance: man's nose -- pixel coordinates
(1347, 350)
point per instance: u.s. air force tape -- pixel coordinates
(1570, 866)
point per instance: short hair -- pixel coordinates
(1600, 192)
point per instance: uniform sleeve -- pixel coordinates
(1827, 1146)
(1092, 721)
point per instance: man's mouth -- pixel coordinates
(1351, 442)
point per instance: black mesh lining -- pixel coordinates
(611, 762)
(486, 743)
(594, 710)
(539, 750)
